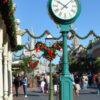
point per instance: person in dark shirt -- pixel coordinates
(98, 83)
(16, 83)
(55, 82)
(77, 84)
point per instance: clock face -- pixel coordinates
(64, 9)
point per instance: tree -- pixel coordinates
(26, 65)
(97, 64)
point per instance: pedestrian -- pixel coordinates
(42, 86)
(55, 82)
(94, 80)
(16, 83)
(85, 81)
(25, 83)
(77, 85)
(46, 85)
(90, 81)
(38, 80)
(48, 82)
(98, 83)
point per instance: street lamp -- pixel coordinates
(61, 14)
(51, 97)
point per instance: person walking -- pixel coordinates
(77, 84)
(85, 81)
(94, 80)
(98, 83)
(25, 83)
(48, 82)
(55, 82)
(42, 86)
(16, 83)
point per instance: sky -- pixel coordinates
(34, 13)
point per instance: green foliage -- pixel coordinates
(17, 48)
(25, 66)
(6, 8)
(97, 64)
(73, 66)
(49, 52)
(77, 66)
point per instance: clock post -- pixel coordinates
(66, 79)
(64, 13)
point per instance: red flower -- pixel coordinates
(53, 57)
(54, 46)
(50, 52)
(68, 46)
(46, 32)
(91, 33)
(37, 62)
(15, 38)
(60, 48)
(56, 42)
(10, 26)
(32, 66)
(38, 45)
(61, 42)
(5, 1)
(12, 23)
(12, 34)
(43, 46)
(37, 49)
(70, 37)
(9, 13)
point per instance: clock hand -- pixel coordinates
(61, 4)
(65, 6)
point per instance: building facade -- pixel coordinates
(31, 52)
(93, 50)
(5, 63)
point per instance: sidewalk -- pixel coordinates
(35, 94)
(21, 93)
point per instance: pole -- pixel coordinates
(51, 97)
(65, 79)
(65, 55)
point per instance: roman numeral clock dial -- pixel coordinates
(64, 9)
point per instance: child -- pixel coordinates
(42, 85)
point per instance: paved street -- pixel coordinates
(89, 94)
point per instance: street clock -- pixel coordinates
(64, 11)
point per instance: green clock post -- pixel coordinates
(64, 13)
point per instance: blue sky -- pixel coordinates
(34, 12)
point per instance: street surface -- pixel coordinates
(33, 94)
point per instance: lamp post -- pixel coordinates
(64, 14)
(51, 97)
(66, 79)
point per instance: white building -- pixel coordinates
(29, 51)
(7, 42)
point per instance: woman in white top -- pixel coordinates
(85, 81)
(42, 85)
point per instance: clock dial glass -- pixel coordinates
(64, 9)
